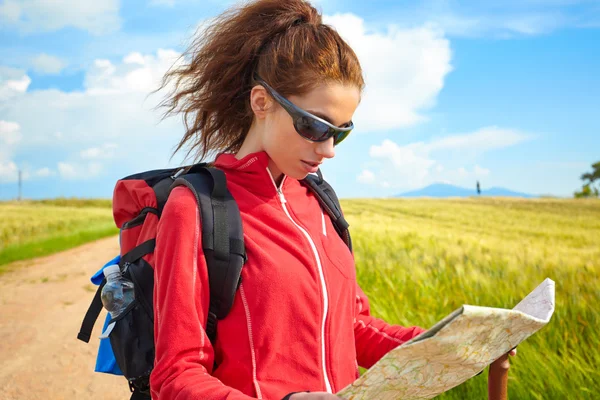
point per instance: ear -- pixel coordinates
(260, 101)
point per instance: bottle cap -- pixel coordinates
(111, 269)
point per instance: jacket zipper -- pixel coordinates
(321, 276)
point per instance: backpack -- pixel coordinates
(138, 201)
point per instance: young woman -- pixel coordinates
(272, 90)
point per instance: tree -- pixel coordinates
(589, 178)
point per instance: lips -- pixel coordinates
(311, 163)
(311, 167)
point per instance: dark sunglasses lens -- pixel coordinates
(312, 129)
(339, 137)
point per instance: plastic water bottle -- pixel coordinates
(116, 295)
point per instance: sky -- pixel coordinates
(505, 92)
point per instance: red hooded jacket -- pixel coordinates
(299, 320)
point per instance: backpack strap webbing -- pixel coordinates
(330, 203)
(91, 316)
(222, 239)
(137, 395)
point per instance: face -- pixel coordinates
(290, 153)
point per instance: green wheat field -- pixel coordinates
(37, 228)
(420, 259)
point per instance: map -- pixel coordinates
(454, 350)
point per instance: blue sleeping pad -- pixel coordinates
(105, 361)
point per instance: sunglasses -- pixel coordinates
(309, 126)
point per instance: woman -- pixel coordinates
(273, 91)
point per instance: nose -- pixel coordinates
(326, 149)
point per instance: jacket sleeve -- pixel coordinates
(184, 355)
(375, 337)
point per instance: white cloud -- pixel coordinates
(402, 156)
(27, 174)
(31, 16)
(19, 85)
(530, 24)
(81, 132)
(461, 176)
(136, 73)
(418, 164)
(410, 164)
(10, 11)
(487, 138)
(43, 172)
(13, 82)
(10, 132)
(67, 170)
(10, 136)
(134, 58)
(106, 151)
(404, 71)
(79, 171)
(479, 171)
(47, 64)
(8, 171)
(502, 19)
(366, 177)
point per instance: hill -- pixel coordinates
(446, 190)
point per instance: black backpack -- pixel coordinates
(132, 338)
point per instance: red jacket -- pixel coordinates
(299, 320)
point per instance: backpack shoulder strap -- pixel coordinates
(330, 203)
(222, 239)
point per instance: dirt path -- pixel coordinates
(42, 303)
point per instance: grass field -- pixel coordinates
(37, 228)
(418, 260)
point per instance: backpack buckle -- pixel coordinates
(141, 384)
(178, 173)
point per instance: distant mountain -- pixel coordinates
(446, 190)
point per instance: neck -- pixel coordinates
(275, 173)
(253, 144)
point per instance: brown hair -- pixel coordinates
(284, 41)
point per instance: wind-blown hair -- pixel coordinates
(284, 41)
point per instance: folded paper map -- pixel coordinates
(453, 350)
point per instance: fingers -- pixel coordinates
(501, 363)
(513, 352)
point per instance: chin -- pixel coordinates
(298, 174)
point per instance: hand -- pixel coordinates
(498, 377)
(502, 362)
(314, 396)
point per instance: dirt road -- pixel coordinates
(42, 303)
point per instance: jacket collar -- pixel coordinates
(251, 172)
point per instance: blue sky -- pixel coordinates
(504, 92)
